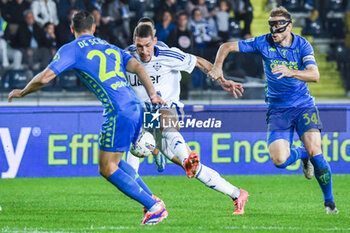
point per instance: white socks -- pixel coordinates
(213, 180)
(176, 143)
(133, 161)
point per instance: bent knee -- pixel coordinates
(108, 170)
(314, 150)
(279, 162)
(279, 158)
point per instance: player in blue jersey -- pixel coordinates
(101, 66)
(289, 63)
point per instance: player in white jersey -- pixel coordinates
(158, 156)
(163, 66)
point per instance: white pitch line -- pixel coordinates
(248, 228)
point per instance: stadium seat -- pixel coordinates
(313, 28)
(292, 5)
(346, 76)
(336, 5)
(181, 4)
(69, 81)
(1, 83)
(211, 4)
(17, 79)
(252, 65)
(254, 88)
(51, 86)
(336, 27)
(235, 29)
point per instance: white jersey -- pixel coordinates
(164, 69)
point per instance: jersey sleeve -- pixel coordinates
(180, 61)
(64, 59)
(248, 46)
(125, 57)
(307, 54)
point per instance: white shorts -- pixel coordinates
(175, 107)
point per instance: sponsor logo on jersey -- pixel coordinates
(56, 57)
(135, 81)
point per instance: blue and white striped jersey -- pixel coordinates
(164, 69)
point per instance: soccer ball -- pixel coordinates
(144, 145)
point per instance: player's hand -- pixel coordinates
(16, 93)
(283, 70)
(156, 99)
(230, 86)
(215, 73)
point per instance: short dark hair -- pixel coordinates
(143, 31)
(181, 13)
(26, 12)
(194, 10)
(145, 20)
(82, 21)
(47, 24)
(281, 11)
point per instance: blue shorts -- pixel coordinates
(281, 122)
(121, 129)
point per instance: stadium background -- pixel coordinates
(226, 150)
(50, 133)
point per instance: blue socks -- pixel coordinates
(131, 172)
(131, 188)
(323, 175)
(295, 154)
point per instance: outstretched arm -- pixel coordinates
(224, 50)
(35, 84)
(134, 66)
(228, 85)
(310, 74)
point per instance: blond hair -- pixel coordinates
(281, 11)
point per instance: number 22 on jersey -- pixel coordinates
(103, 75)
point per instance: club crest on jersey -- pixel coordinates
(284, 51)
(157, 66)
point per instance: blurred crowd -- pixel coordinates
(31, 31)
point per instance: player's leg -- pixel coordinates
(169, 131)
(282, 155)
(308, 127)
(118, 132)
(131, 172)
(109, 168)
(144, 147)
(323, 173)
(204, 174)
(280, 138)
(159, 159)
(133, 161)
(212, 179)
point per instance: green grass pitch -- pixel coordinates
(277, 203)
